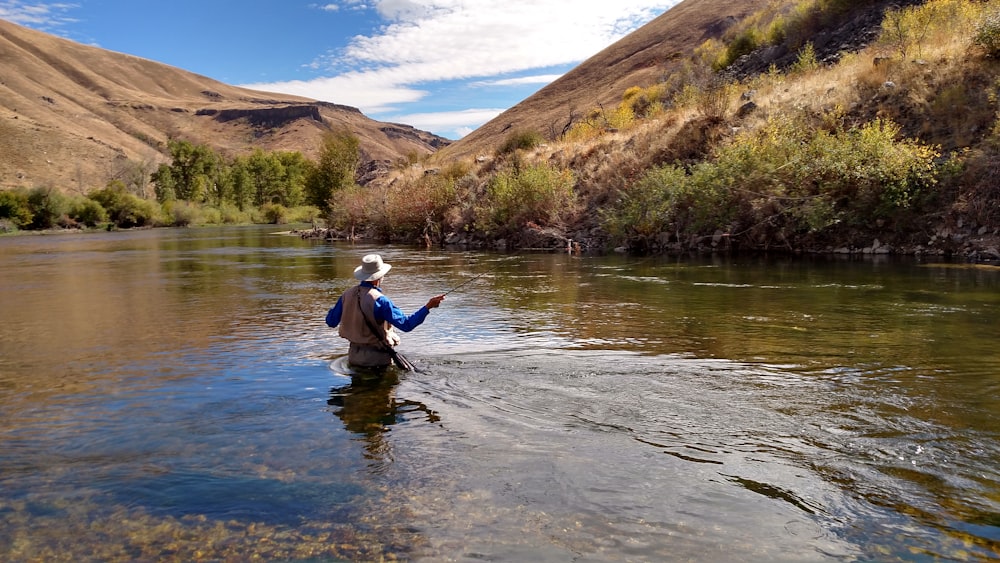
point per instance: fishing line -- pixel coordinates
(474, 278)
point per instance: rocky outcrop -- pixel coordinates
(398, 131)
(371, 170)
(266, 117)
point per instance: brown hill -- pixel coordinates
(74, 116)
(639, 59)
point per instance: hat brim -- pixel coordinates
(360, 275)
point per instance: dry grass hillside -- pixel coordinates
(806, 126)
(73, 116)
(642, 58)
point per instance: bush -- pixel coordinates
(420, 207)
(744, 43)
(520, 140)
(126, 210)
(211, 215)
(988, 34)
(644, 102)
(349, 208)
(538, 194)
(303, 214)
(275, 213)
(644, 209)
(180, 213)
(48, 206)
(786, 180)
(15, 209)
(87, 211)
(805, 61)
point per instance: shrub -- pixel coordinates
(349, 207)
(47, 206)
(232, 215)
(582, 131)
(806, 60)
(645, 102)
(274, 213)
(744, 43)
(432, 198)
(537, 193)
(14, 208)
(713, 101)
(87, 211)
(785, 180)
(126, 210)
(799, 179)
(302, 214)
(643, 210)
(211, 215)
(520, 140)
(908, 30)
(621, 117)
(987, 35)
(183, 213)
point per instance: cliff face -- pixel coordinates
(271, 117)
(73, 116)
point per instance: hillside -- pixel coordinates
(74, 116)
(827, 127)
(642, 58)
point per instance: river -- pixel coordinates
(174, 394)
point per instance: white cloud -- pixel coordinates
(460, 122)
(429, 41)
(520, 81)
(377, 91)
(489, 37)
(40, 15)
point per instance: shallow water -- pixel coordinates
(175, 395)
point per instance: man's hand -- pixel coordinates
(435, 301)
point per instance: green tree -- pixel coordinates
(191, 171)
(164, 183)
(297, 168)
(239, 178)
(266, 177)
(336, 169)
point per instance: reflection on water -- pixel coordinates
(365, 401)
(175, 395)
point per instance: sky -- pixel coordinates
(444, 66)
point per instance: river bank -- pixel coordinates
(976, 245)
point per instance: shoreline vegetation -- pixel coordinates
(887, 146)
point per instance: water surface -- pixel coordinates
(175, 395)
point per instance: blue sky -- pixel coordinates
(445, 66)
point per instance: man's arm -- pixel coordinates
(333, 315)
(385, 310)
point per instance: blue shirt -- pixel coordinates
(385, 310)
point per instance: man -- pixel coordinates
(366, 317)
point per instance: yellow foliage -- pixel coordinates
(631, 93)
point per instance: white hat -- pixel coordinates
(372, 268)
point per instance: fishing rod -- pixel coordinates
(472, 279)
(468, 281)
